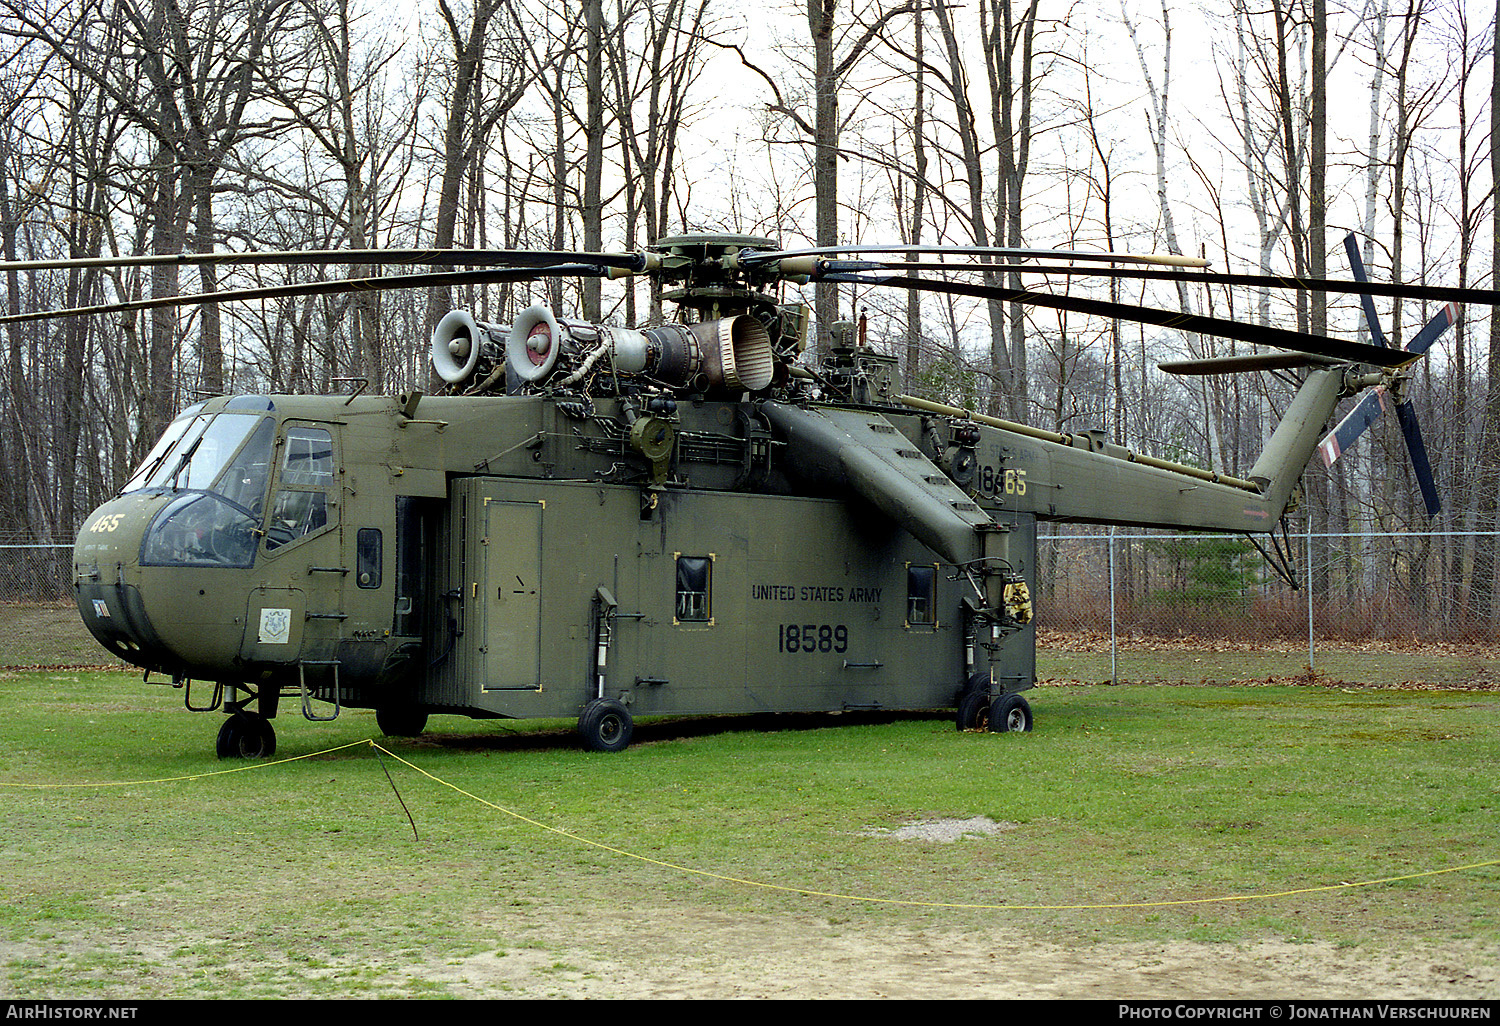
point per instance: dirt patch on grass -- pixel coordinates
(944, 830)
(629, 949)
(663, 953)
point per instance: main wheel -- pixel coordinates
(1010, 713)
(246, 735)
(974, 711)
(400, 720)
(606, 726)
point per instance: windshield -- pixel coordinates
(222, 464)
(202, 452)
(196, 451)
(164, 444)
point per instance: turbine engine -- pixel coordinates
(540, 352)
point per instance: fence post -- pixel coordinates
(1311, 664)
(1114, 676)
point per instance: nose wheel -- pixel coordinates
(246, 735)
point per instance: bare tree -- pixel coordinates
(331, 87)
(470, 114)
(835, 55)
(652, 105)
(1487, 483)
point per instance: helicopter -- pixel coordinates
(603, 523)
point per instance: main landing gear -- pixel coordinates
(978, 711)
(606, 726)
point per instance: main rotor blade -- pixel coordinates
(318, 288)
(1363, 288)
(1243, 364)
(1407, 418)
(391, 257)
(1166, 259)
(1281, 338)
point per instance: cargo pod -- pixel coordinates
(563, 599)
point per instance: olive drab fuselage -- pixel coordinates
(520, 556)
(697, 516)
(477, 558)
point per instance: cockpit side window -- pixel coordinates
(301, 505)
(309, 457)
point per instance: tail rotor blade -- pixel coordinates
(1407, 418)
(1357, 267)
(1354, 424)
(1433, 330)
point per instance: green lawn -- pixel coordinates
(132, 862)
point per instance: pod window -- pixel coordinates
(921, 604)
(694, 589)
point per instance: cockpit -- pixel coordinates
(219, 466)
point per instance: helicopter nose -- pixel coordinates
(106, 580)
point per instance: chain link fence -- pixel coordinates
(40, 573)
(1398, 608)
(39, 624)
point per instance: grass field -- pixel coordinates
(1190, 841)
(1085, 657)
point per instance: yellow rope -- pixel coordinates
(190, 776)
(780, 887)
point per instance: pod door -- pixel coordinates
(509, 605)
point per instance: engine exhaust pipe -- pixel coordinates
(459, 341)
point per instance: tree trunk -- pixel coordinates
(1487, 487)
(820, 22)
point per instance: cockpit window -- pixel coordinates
(204, 457)
(200, 529)
(194, 451)
(222, 465)
(295, 515)
(244, 481)
(164, 444)
(309, 457)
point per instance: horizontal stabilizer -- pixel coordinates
(1243, 364)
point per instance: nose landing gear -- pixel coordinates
(246, 735)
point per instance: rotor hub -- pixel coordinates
(714, 282)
